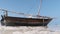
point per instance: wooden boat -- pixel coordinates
(19, 21)
(24, 21)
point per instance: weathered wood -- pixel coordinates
(26, 21)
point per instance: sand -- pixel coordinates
(26, 30)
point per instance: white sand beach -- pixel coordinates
(26, 30)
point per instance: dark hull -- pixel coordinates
(15, 21)
(24, 24)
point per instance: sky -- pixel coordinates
(49, 8)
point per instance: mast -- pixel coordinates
(39, 7)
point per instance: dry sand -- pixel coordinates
(26, 30)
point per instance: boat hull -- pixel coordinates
(15, 21)
(23, 24)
